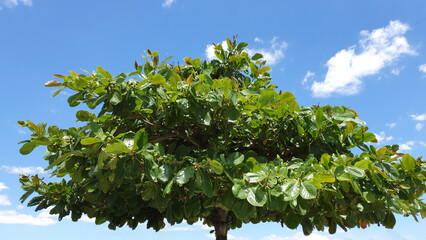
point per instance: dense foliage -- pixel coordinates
(191, 142)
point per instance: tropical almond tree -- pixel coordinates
(215, 142)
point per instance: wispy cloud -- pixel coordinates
(272, 54)
(419, 126)
(382, 138)
(168, 3)
(3, 186)
(390, 125)
(22, 170)
(420, 117)
(407, 146)
(258, 40)
(377, 49)
(422, 68)
(14, 3)
(308, 76)
(423, 143)
(13, 217)
(297, 236)
(4, 200)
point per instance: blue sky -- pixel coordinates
(367, 55)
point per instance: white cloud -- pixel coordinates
(230, 237)
(13, 217)
(381, 137)
(4, 200)
(297, 236)
(423, 143)
(390, 125)
(421, 117)
(259, 40)
(23, 170)
(406, 146)
(397, 71)
(272, 55)
(419, 126)
(14, 3)
(3, 186)
(167, 3)
(378, 49)
(422, 68)
(309, 75)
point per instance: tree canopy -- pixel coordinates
(215, 141)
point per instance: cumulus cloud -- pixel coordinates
(377, 49)
(419, 126)
(14, 3)
(406, 146)
(230, 237)
(22, 170)
(421, 117)
(297, 236)
(390, 125)
(168, 3)
(381, 137)
(272, 54)
(4, 200)
(308, 76)
(3, 186)
(422, 68)
(13, 217)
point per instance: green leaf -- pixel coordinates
(97, 130)
(319, 117)
(292, 220)
(241, 46)
(254, 177)
(356, 172)
(117, 148)
(216, 167)
(90, 140)
(168, 187)
(256, 56)
(233, 97)
(389, 221)
(266, 97)
(239, 190)
(184, 175)
(364, 164)
(308, 191)
(256, 196)
(116, 98)
(74, 100)
(368, 137)
(158, 79)
(83, 115)
(141, 139)
(235, 158)
(326, 177)
(388, 169)
(27, 148)
(345, 177)
(408, 162)
(232, 113)
(291, 190)
(242, 209)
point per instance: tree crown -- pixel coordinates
(182, 141)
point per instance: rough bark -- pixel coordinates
(219, 218)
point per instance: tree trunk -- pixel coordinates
(219, 218)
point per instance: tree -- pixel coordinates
(214, 141)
